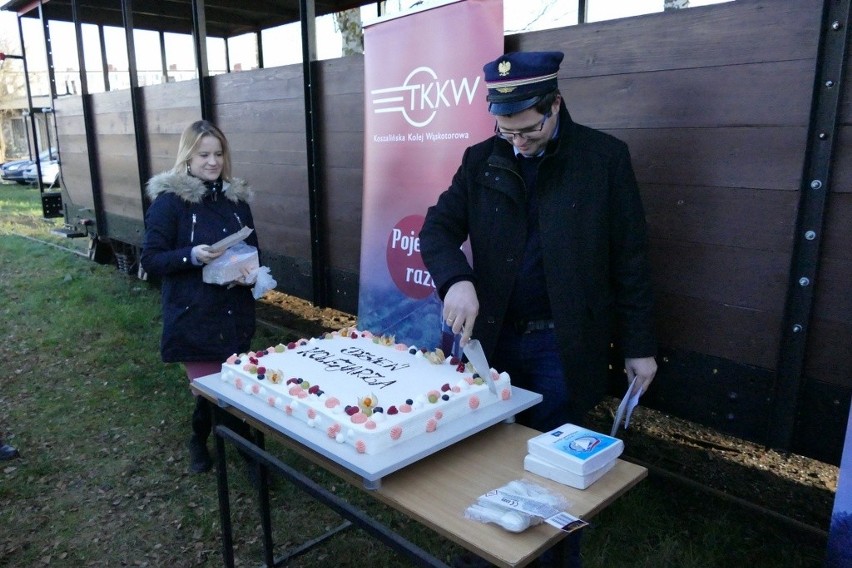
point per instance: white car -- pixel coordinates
(49, 173)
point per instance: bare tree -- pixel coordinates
(543, 11)
(348, 23)
(675, 4)
(12, 90)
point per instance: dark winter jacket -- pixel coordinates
(594, 247)
(201, 322)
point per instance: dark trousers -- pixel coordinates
(532, 361)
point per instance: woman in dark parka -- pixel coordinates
(194, 205)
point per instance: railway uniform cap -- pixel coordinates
(516, 81)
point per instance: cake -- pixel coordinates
(363, 390)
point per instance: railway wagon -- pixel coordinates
(738, 120)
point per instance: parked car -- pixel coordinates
(15, 170)
(49, 172)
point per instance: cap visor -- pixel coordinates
(512, 107)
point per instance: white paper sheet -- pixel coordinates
(625, 409)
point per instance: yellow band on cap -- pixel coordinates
(519, 82)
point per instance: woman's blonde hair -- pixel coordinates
(189, 142)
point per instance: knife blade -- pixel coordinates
(476, 356)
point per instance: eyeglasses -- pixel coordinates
(524, 134)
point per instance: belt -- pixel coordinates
(528, 326)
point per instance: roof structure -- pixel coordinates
(224, 18)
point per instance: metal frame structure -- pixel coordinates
(780, 392)
(229, 21)
(266, 463)
(813, 204)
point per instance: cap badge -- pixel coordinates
(504, 67)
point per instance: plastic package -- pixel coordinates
(516, 506)
(229, 266)
(263, 281)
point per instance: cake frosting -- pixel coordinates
(363, 390)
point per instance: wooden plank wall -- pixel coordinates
(76, 181)
(168, 109)
(829, 350)
(714, 103)
(262, 113)
(116, 141)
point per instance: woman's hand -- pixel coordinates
(204, 255)
(246, 278)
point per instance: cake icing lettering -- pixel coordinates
(426, 388)
(376, 360)
(371, 377)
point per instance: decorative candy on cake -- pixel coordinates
(366, 391)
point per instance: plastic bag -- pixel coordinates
(229, 266)
(263, 281)
(516, 506)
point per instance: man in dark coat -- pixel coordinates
(559, 246)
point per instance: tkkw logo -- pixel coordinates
(421, 95)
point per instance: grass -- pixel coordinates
(101, 425)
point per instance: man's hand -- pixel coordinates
(461, 306)
(643, 369)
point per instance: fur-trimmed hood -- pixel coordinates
(192, 189)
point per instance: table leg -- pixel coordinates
(324, 496)
(263, 499)
(224, 498)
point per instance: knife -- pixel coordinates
(476, 356)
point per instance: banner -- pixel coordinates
(424, 104)
(840, 534)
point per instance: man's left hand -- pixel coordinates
(644, 369)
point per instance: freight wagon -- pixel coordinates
(736, 114)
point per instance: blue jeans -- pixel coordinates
(532, 361)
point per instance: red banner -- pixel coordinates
(424, 104)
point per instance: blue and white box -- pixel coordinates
(576, 449)
(540, 467)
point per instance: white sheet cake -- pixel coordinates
(365, 391)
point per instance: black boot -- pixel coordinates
(7, 452)
(199, 456)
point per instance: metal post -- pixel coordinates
(51, 94)
(258, 35)
(582, 11)
(199, 40)
(48, 50)
(47, 113)
(104, 60)
(140, 131)
(33, 125)
(315, 194)
(263, 499)
(224, 495)
(163, 63)
(89, 127)
(813, 202)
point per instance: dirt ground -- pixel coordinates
(787, 487)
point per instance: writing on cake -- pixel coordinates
(365, 391)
